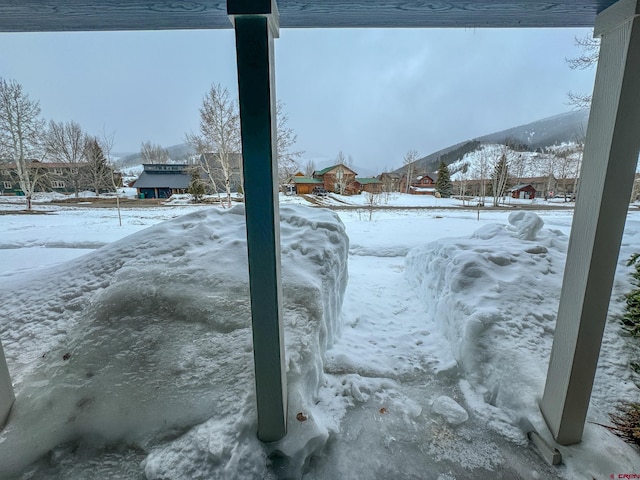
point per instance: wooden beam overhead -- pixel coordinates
(105, 15)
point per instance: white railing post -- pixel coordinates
(610, 157)
(6, 390)
(256, 25)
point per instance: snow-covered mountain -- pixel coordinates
(562, 161)
(538, 136)
(177, 153)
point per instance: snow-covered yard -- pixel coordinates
(438, 352)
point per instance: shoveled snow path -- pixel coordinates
(394, 367)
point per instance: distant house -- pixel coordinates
(390, 181)
(302, 185)
(544, 186)
(523, 191)
(567, 187)
(49, 177)
(420, 184)
(365, 184)
(337, 178)
(163, 180)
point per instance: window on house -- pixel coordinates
(57, 184)
(8, 185)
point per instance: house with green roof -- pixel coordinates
(368, 184)
(337, 179)
(302, 185)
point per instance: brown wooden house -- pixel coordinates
(420, 184)
(542, 185)
(302, 185)
(337, 178)
(365, 184)
(390, 181)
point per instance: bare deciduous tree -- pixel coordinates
(500, 175)
(590, 50)
(481, 170)
(342, 178)
(152, 153)
(21, 130)
(372, 200)
(588, 58)
(409, 161)
(286, 139)
(219, 136)
(309, 168)
(65, 142)
(106, 142)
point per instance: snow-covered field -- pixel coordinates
(421, 364)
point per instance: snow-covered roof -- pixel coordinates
(520, 186)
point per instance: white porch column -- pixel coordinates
(609, 162)
(6, 390)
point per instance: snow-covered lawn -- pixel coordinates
(439, 351)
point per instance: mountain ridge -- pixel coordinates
(533, 136)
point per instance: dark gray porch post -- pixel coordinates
(6, 390)
(610, 157)
(256, 25)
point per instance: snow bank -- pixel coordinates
(146, 343)
(494, 296)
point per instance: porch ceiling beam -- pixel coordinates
(6, 390)
(609, 162)
(256, 25)
(88, 15)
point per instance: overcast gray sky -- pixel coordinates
(373, 94)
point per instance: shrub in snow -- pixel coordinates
(147, 341)
(631, 319)
(626, 422)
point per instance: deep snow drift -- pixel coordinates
(406, 390)
(144, 347)
(494, 295)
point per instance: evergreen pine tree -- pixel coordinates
(443, 184)
(196, 186)
(499, 179)
(96, 172)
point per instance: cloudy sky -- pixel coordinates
(372, 94)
